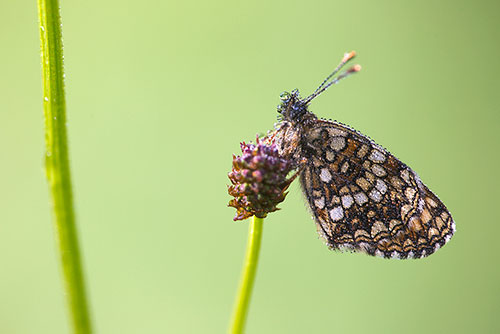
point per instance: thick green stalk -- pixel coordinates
(57, 163)
(248, 275)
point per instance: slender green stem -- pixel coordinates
(57, 163)
(248, 275)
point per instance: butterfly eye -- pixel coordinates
(284, 96)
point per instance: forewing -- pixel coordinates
(365, 199)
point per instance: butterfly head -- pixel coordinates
(292, 108)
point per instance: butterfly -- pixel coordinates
(361, 196)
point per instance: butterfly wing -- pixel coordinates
(365, 199)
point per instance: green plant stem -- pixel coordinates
(57, 164)
(248, 275)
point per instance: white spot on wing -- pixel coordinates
(378, 170)
(377, 156)
(409, 193)
(375, 195)
(325, 175)
(421, 204)
(336, 132)
(346, 248)
(337, 143)
(360, 198)
(405, 175)
(363, 246)
(347, 201)
(395, 255)
(320, 203)
(337, 213)
(381, 186)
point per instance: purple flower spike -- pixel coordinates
(259, 179)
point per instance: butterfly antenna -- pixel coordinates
(347, 57)
(325, 84)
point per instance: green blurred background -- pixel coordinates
(159, 95)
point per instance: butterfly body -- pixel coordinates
(361, 196)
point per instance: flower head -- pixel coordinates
(259, 179)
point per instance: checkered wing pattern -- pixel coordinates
(364, 199)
